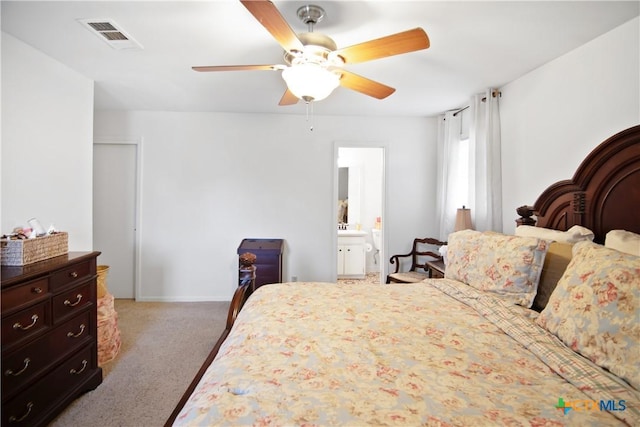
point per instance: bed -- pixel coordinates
(468, 349)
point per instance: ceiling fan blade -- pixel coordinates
(271, 19)
(239, 67)
(395, 44)
(288, 98)
(364, 85)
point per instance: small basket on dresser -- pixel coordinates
(28, 251)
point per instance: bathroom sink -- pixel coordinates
(352, 233)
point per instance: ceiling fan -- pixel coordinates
(314, 65)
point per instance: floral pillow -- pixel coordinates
(595, 309)
(508, 266)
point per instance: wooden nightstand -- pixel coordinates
(436, 269)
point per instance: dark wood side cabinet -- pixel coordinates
(436, 269)
(49, 337)
(268, 263)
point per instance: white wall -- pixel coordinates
(47, 125)
(212, 179)
(554, 116)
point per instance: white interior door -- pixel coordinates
(114, 214)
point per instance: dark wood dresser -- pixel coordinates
(49, 337)
(268, 263)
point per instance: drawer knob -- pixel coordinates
(73, 304)
(24, 368)
(18, 325)
(73, 274)
(84, 366)
(36, 290)
(14, 419)
(72, 335)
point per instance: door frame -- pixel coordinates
(334, 206)
(137, 251)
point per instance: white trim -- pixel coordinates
(137, 246)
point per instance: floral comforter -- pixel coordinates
(436, 353)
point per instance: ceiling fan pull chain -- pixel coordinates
(310, 103)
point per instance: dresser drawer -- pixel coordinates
(28, 407)
(18, 297)
(72, 301)
(24, 364)
(25, 323)
(72, 333)
(61, 278)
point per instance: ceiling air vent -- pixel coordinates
(109, 32)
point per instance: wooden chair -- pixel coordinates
(423, 250)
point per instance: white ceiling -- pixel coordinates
(474, 45)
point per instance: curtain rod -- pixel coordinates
(461, 110)
(495, 93)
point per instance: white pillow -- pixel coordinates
(575, 234)
(443, 253)
(623, 241)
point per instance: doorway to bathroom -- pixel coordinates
(360, 203)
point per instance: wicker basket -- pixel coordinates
(28, 251)
(102, 280)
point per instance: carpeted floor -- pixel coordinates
(163, 346)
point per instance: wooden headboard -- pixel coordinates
(603, 195)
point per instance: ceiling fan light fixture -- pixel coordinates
(314, 66)
(310, 82)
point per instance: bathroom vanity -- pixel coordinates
(351, 254)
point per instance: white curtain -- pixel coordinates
(449, 169)
(485, 173)
(469, 170)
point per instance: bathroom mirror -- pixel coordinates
(349, 195)
(343, 195)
